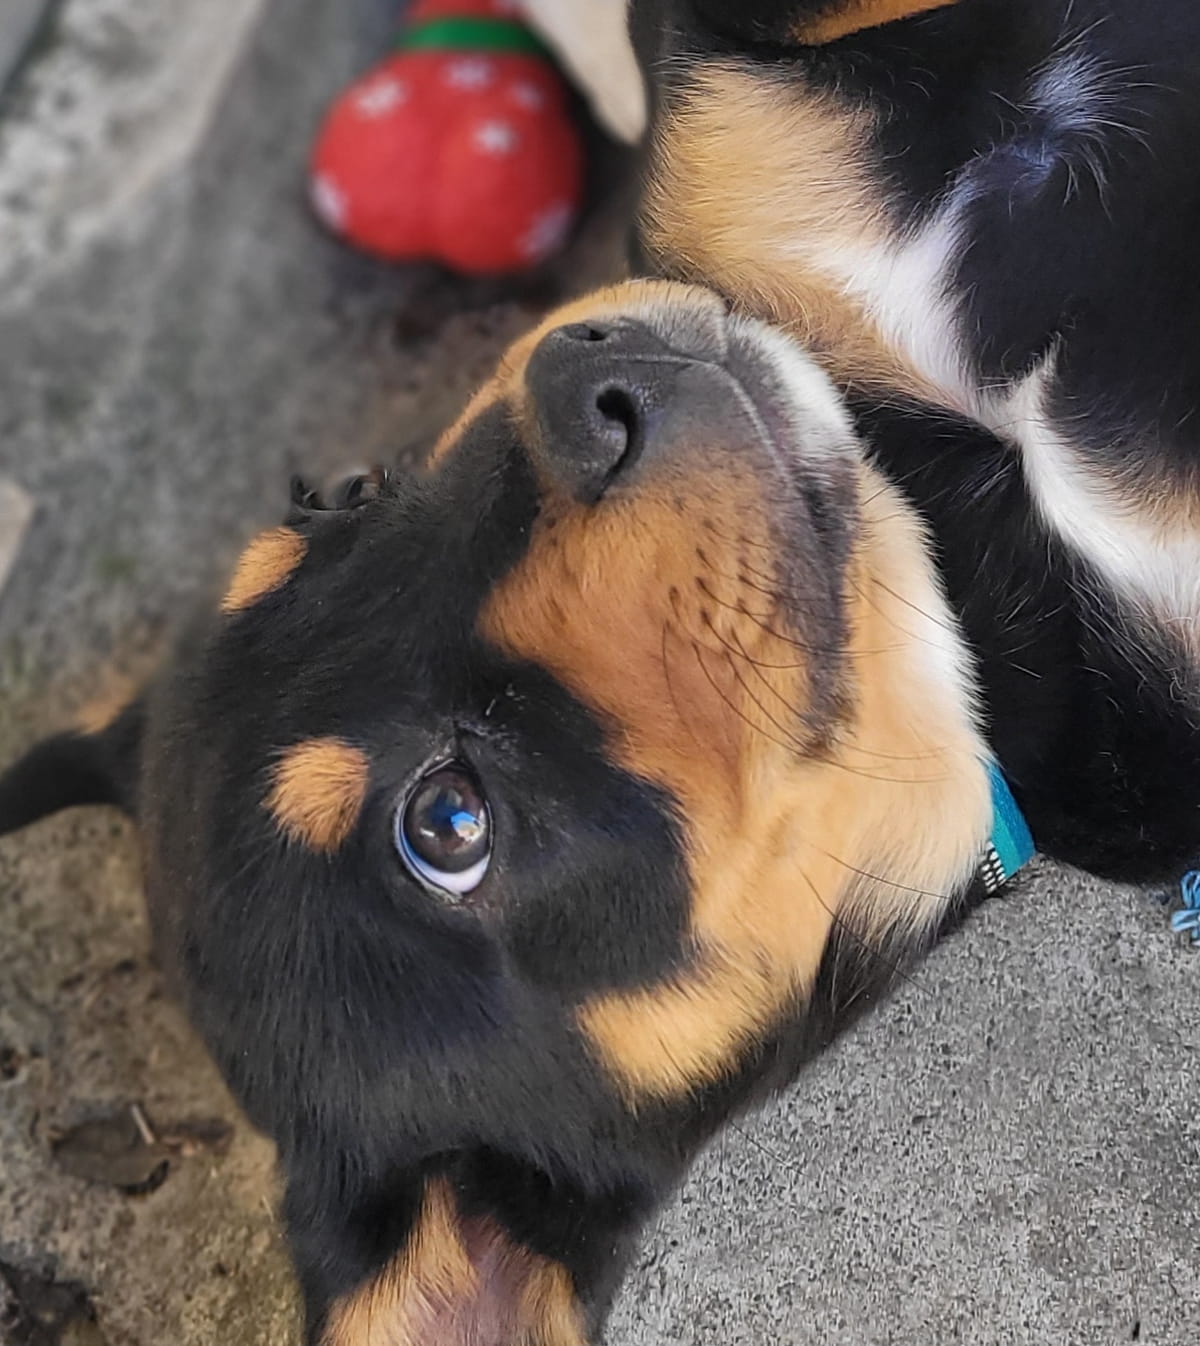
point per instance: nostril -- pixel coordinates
(617, 404)
(623, 422)
(587, 331)
(599, 391)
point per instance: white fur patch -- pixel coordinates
(903, 287)
(821, 421)
(1079, 98)
(1156, 569)
(922, 614)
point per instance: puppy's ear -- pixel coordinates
(75, 768)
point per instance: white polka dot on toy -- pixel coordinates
(547, 232)
(527, 95)
(329, 201)
(470, 73)
(496, 137)
(381, 96)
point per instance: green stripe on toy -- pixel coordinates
(467, 32)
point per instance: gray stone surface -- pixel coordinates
(1010, 1152)
(21, 22)
(121, 94)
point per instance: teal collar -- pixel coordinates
(1011, 846)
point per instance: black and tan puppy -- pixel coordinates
(511, 826)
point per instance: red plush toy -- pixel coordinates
(459, 148)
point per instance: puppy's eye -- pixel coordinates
(444, 830)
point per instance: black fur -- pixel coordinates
(73, 769)
(404, 1039)
(1103, 759)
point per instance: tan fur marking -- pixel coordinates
(265, 565)
(318, 791)
(852, 16)
(755, 184)
(102, 711)
(770, 879)
(432, 1270)
(433, 1285)
(548, 1304)
(778, 838)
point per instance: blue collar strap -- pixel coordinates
(1011, 846)
(1187, 920)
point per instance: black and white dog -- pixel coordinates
(987, 207)
(511, 825)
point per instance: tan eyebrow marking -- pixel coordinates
(104, 709)
(318, 792)
(263, 567)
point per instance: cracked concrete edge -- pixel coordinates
(16, 514)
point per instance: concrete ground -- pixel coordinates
(1008, 1153)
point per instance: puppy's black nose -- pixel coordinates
(598, 391)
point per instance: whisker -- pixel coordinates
(756, 618)
(800, 746)
(946, 899)
(758, 666)
(791, 743)
(796, 1169)
(908, 603)
(862, 941)
(768, 547)
(769, 585)
(666, 663)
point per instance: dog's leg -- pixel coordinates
(805, 22)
